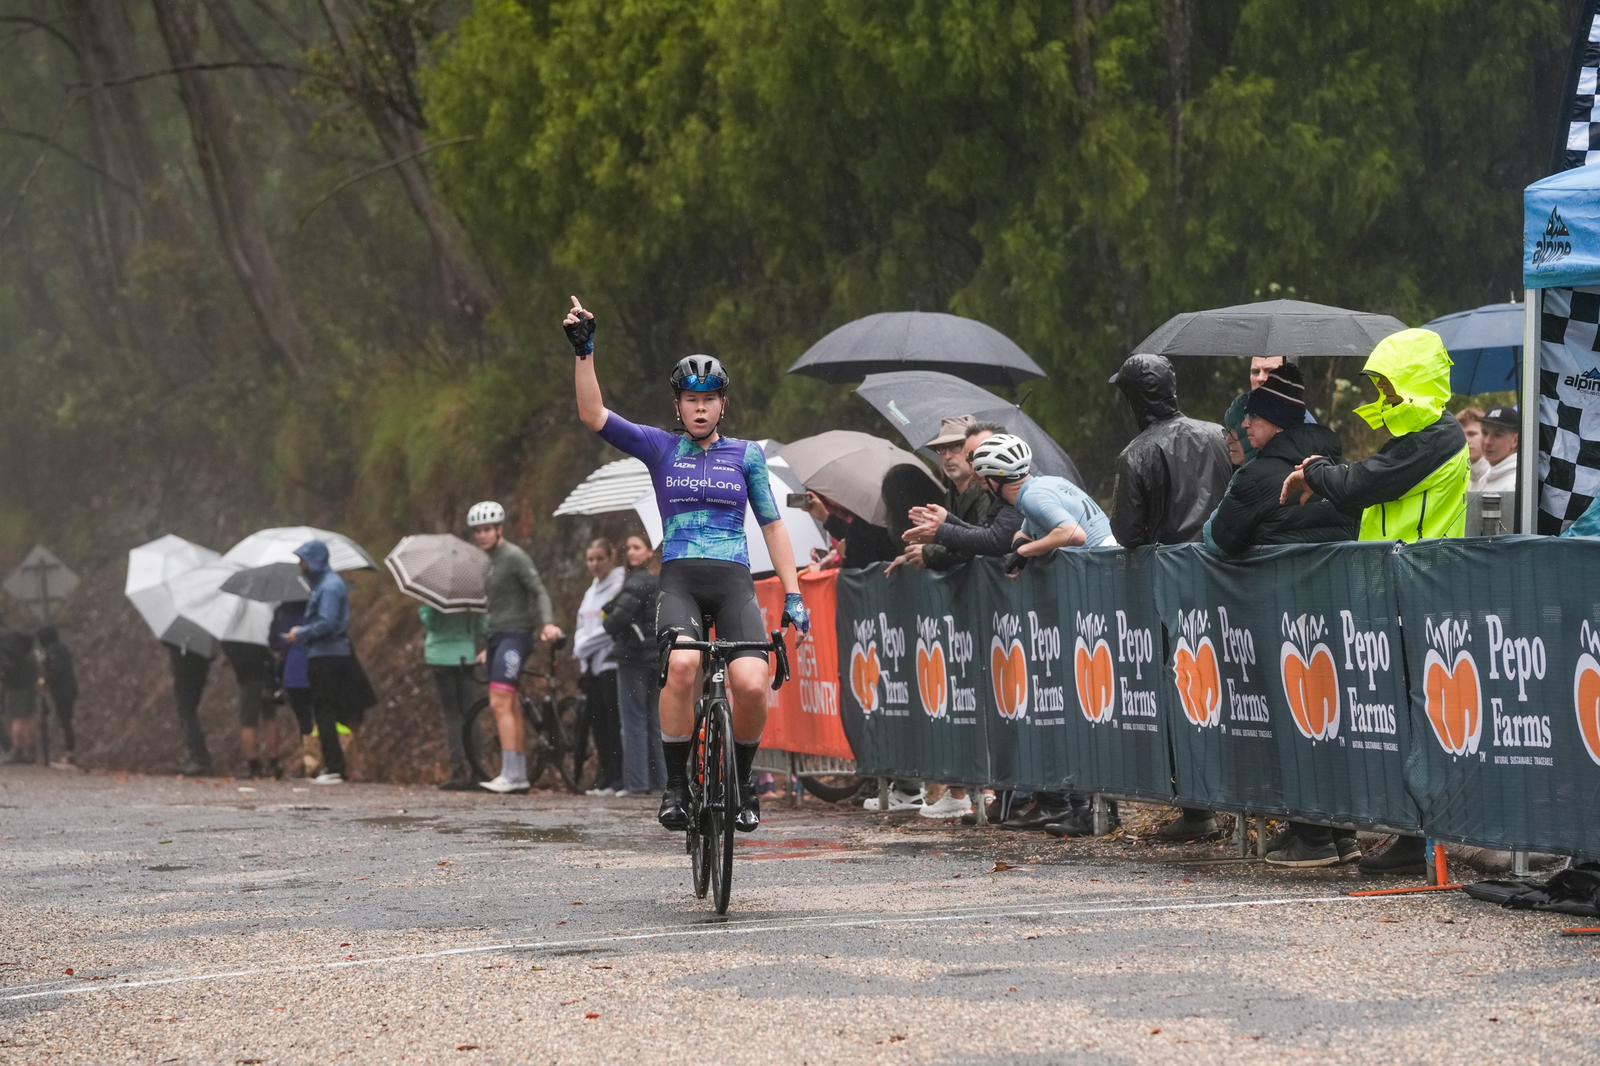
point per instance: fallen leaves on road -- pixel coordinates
(1155, 1032)
(444, 862)
(591, 1016)
(467, 1047)
(69, 971)
(1002, 867)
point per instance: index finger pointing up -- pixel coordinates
(576, 306)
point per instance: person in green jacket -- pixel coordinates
(1415, 488)
(450, 647)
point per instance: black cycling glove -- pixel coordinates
(581, 334)
(1013, 563)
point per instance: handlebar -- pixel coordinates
(721, 649)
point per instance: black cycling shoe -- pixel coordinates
(749, 816)
(674, 812)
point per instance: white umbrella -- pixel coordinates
(269, 570)
(151, 569)
(624, 485)
(277, 546)
(200, 599)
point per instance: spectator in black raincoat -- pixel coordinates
(1169, 479)
(62, 682)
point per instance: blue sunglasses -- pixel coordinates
(704, 383)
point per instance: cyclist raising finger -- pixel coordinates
(703, 481)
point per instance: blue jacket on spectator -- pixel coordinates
(290, 616)
(326, 630)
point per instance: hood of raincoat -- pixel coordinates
(1151, 386)
(1418, 366)
(315, 554)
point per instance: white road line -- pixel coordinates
(671, 933)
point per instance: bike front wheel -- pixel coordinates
(722, 801)
(552, 729)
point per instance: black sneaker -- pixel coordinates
(674, 812)
(1349, 848)
(1298, 853)
(991, 813)
(749, 816)
(458, 784)
(1040, 816)
(1407, 855)
(194, 768)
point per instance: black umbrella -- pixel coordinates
(1291, 328)
(915, 401)
(917, 340)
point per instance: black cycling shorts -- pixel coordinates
(694, 588)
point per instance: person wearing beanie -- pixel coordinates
(1277, 432)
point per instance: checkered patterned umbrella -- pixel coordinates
(441, 570)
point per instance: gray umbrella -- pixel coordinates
(917, 340)
(914, 402)
(1291, 328)
(848, 468)
(442, 570)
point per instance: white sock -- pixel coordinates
(514, 766)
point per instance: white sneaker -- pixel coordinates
(328, 779)
(600, 793)
(898, 801)
(947, 806)
(504, 784)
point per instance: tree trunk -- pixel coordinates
(231, 190)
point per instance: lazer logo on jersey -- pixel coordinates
(1008, 668)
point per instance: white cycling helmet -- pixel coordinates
(1004, 457)
(487, 513)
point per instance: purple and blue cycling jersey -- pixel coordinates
(701, 492)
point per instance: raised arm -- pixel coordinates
(579, 325)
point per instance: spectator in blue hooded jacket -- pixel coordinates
(330, 663)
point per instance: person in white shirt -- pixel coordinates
(592, 646)
(1497, 470)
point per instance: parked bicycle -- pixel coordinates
(714, 785)
(552, 725)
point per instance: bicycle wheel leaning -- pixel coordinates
(551, 729)
(723, 801)
(481, 739)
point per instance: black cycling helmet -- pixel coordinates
(699, 373)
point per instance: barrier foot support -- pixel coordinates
(1261, 838)
(1102, 816)
(1519, 864)
(883, 795)
(980, 805)
(1241, 836)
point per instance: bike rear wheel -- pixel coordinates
(723, 801)
(481, 739)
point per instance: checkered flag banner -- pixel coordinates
(1569, 406)
(1581, 145)
(1569, 366)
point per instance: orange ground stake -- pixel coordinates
(1408, 891)
(1581, 932)
(1441, 866)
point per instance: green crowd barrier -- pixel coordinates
(1448, 688)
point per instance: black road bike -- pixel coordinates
(714, 785)
(552, 728)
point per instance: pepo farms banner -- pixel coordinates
(912, 675)
(1503, 649)
(803, 717)
(1289, 685)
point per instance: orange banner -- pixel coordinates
(804, 716)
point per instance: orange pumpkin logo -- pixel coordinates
(1097, 681)
(1313, 691)
(864, 676)
(1008, 670)
(1586, 695)
(1454, 702)
(933, 683)
(1199, 683)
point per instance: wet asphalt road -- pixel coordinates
(155, 920)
